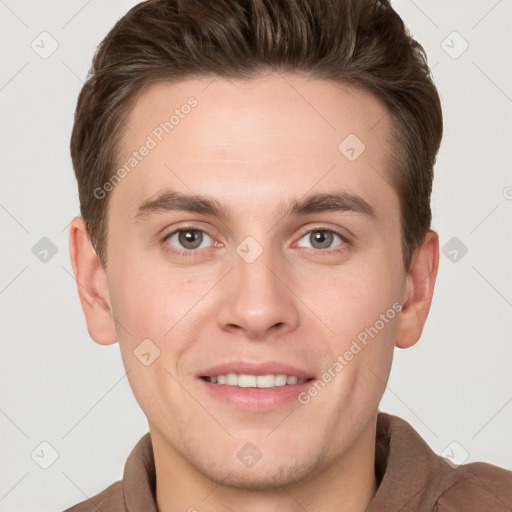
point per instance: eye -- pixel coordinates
(322, 239)
(189, 239)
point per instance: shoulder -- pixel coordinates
(136, 489)
(109, 500)
(475, 486)
(412, 472)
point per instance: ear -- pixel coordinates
(421, 278)
(92, 284)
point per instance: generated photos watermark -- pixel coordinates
(156, 136)
(344, 359)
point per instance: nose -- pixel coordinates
(257, 301)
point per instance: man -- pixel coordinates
(255, 179)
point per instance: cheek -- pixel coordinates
(149, 301)
(151, 310)
(155, 309)
(354, 299)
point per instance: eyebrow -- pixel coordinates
(341, 202)
(170, 200)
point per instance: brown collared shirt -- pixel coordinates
(411, 477)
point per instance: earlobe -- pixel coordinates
(421, 279)
(92, 284)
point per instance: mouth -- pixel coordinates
(244, 380)
(254, 386)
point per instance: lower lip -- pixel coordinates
(256, 399)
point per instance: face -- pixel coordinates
(257, 235)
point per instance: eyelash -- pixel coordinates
(182, 252)
(193, 252)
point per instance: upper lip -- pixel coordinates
(256, 368)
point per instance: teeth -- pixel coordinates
(232, 379)
(243, 380)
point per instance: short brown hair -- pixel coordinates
(363, 43)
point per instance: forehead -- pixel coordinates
(269, 137)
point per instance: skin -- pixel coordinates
(251, 145)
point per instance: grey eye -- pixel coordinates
(321, 239)
(189, 239)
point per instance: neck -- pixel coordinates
(346, 484)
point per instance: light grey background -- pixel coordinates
(59, 387)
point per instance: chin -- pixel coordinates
(263, 476)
